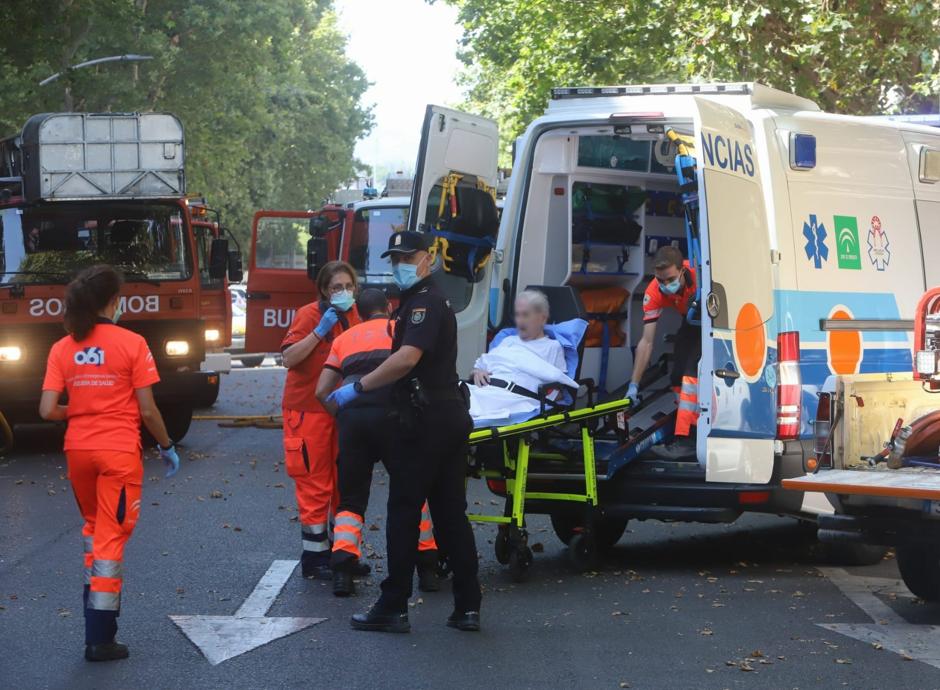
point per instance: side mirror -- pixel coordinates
(218, 259)
(236, 272)
(317, 255)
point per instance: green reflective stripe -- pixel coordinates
(104, 601)
(105, 568)
(319, 528)
(88, 544)
(316, 546)
(348, 521)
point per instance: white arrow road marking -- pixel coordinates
(891, 631)
(223, 637)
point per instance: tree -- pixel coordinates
(268, 99)
(850, 56)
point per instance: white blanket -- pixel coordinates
(528, 364)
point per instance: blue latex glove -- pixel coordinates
(343, 395)
(170, 459)
(633, 394)
(327, 321)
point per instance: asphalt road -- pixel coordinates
(675, 606)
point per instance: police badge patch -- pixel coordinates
(417, 315)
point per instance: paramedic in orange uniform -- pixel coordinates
(673, 288)
(107, 372)
(364, 430)
(310, 438)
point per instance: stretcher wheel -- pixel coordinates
(582, 551)
(502, 547)
(519, 561)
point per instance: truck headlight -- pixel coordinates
(926, 362)
(213, 335)
(176, 348)
(11, 353)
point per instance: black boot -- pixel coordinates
(360, 569)
(468, 620)
(428, 580)
(379, 620)
(343, 585)
(107, 651)
(315, 567)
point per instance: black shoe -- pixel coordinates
(107, 651)
(343, 585)
(468, 621)
(428, 580)
(317, 572)
(359, 569)
(680, 448)
(381, 621)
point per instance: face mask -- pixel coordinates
(672, 287)
(343, 300)
(117, 314)
(405, 275)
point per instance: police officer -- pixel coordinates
(427, 452)
(364, 427)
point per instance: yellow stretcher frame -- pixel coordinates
(516, 468)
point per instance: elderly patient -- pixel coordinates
(525, 361)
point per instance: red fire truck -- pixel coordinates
(79, 189)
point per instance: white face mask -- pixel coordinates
(343, 300)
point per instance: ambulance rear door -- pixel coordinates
(459, 152)
(736, 375)
(278, 283)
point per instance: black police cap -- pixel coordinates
(406, 242)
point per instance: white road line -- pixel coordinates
(265, 592)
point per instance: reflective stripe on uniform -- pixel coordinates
(315, 537)
(88, 557)
(106, 568)
(426, 535)
(104, 601)
(688, 412)
(348, 533)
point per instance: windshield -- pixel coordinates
(370, 232)
(50, 243)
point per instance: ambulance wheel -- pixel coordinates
(177, 422)
(608, 530)
(920, 570)
(501, 546)
(582, 552)
(519, 561)
(848, 553)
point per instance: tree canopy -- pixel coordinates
(850, 56)
(268, 99)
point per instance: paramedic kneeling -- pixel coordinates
(427, 453)
(673, 288)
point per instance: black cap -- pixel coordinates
(406, 242)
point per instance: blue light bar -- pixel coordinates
(802, 151)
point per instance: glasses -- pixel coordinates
(341, 287)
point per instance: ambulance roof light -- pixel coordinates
(562, 92)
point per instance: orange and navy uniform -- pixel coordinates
(310, 439)
(688, 346)
(363, 432)
(102, 446)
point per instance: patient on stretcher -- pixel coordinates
(507, 378)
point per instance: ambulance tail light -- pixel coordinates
(497, 486)
(822, 429)
(789, 385)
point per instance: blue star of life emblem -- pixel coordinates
(815, 234)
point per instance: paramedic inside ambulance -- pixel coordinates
(672, 288)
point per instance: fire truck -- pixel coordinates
(78, 189)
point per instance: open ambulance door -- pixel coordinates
(278, 283)
(736, 374)
(453, 198)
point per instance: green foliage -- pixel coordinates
(268, 99)
(850, 56)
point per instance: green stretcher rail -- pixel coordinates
(569, 417)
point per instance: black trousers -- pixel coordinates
(431, 464)
(687, 351)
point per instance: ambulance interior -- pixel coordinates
(611, 197)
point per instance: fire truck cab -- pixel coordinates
(77, 189)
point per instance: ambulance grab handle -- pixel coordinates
(727, 374)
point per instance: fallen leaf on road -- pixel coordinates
(878, 645)
(843, 661)
(744, 666)
(757, 654)
(279, 485)
(706, 631)
(215, 494)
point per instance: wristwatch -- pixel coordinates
(357, 386)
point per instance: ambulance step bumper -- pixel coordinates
(628, 511)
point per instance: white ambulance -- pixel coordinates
(812, 232)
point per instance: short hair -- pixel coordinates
(537, 300)
(329, 270)
(667, 256)
(371, 301)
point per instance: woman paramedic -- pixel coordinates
(107, 372)
(310, 437)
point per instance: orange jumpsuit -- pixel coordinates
(103, 451)
(310, 439)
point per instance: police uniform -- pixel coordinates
(428, 449)
(687, 350)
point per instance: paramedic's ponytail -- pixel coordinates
(86, 296)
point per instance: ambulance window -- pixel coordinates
(613, 153)
(282, 243)
(929, 166)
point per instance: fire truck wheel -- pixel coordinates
(177, 421)
(252, 361)
(209, 395)
(842, 553)
(920, 570)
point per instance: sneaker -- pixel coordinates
(378, 620)
(107, 651)
(468, 621)
(679, 448)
